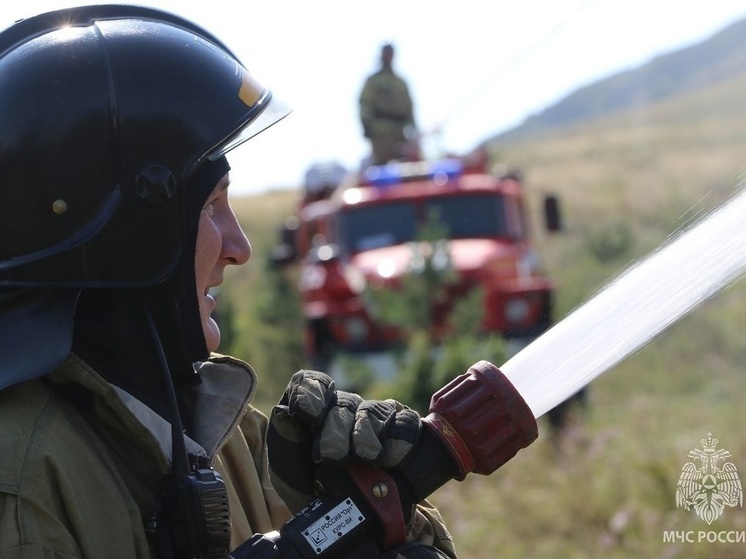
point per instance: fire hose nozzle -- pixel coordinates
(481, 419)
(477, 422)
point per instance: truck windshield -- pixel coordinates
(393, 223)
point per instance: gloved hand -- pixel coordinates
(314, 423)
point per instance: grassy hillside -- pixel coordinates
(607, 488)
(649, 171)
(720, 58)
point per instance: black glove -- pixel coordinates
(314, 423)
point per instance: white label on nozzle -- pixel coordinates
(338, 522)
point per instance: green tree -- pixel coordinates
(431, 354)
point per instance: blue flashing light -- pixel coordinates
(439, 171)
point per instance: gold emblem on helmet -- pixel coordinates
(250, 90)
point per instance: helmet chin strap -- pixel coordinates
(180, 459)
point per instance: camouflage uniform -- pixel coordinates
(386, 114)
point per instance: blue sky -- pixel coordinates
(475, 68)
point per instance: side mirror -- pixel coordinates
(552, 213)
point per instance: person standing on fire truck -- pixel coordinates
(387, 114)
(124, 435)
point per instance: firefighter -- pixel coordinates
(124, 435)
(387, 115)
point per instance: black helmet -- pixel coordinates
(111, 116)
(105, 113)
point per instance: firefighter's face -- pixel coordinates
(220, 242)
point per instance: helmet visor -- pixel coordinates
(267, 110)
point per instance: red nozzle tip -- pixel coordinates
(482, 419)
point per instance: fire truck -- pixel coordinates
(354, 232)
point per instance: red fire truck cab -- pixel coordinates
(362, 233)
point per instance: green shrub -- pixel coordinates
(610, 243)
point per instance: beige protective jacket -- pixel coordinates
(79, 476)
(385, 104)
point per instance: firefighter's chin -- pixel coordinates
(212, 334)
(210, 328)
